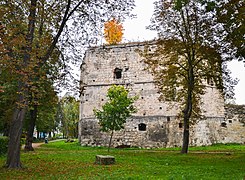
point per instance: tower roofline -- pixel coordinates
(123, 45)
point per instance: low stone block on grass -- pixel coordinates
(104, 160)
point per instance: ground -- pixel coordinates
(60, 160)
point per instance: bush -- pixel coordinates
(22, 141)
(3, 145)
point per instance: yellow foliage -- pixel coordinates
(113, 31)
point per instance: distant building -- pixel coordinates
(156, 123)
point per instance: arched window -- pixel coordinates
(142, 127)
(117, 73)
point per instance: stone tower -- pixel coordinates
(156, 123)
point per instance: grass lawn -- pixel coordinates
(60, 160)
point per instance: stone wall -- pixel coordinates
(163, 128)
(234, 124)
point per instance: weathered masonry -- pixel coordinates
(156, 123)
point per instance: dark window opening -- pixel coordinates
(126, 69)
(168, 118)
(102, 99)
(93, 80)
(142, 97)
(210, 81)
(144, 114)
(86, 97)
(223, 124)
(160, 107)
(230, 121)
(180, 125)
(142, 127)
(117, 73)
(162, 126)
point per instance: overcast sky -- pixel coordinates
(135, 30)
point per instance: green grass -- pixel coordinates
(61, 160)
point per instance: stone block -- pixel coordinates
(104, 160)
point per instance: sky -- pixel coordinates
(135, 30)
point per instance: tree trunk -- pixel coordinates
(13, 156)
(67, 132)
(30, 131)
(110, 141)
(187, 111)
(186, 136)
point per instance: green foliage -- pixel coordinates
(183, 59)
(188, 54)
(30, 34)
(69, 116)
(115, 112)
(47, 109)
(7, 101)
(60, 160)
(3, 145)
(230, 14)
(22, 141)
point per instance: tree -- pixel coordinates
(42, 111)
(18, 28)
(46, 118)
(115, 112)
(13, 157)
(185, 56)
(113, 31)
(230, 14)
(12, 52)
(70, 116)
(7, 100)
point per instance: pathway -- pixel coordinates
(36, 145)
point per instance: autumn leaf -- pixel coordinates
(113, 31)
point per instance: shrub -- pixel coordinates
(22, 141)
(3, 145)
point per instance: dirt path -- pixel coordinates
(34, 145)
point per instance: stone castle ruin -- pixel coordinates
(156, 123)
